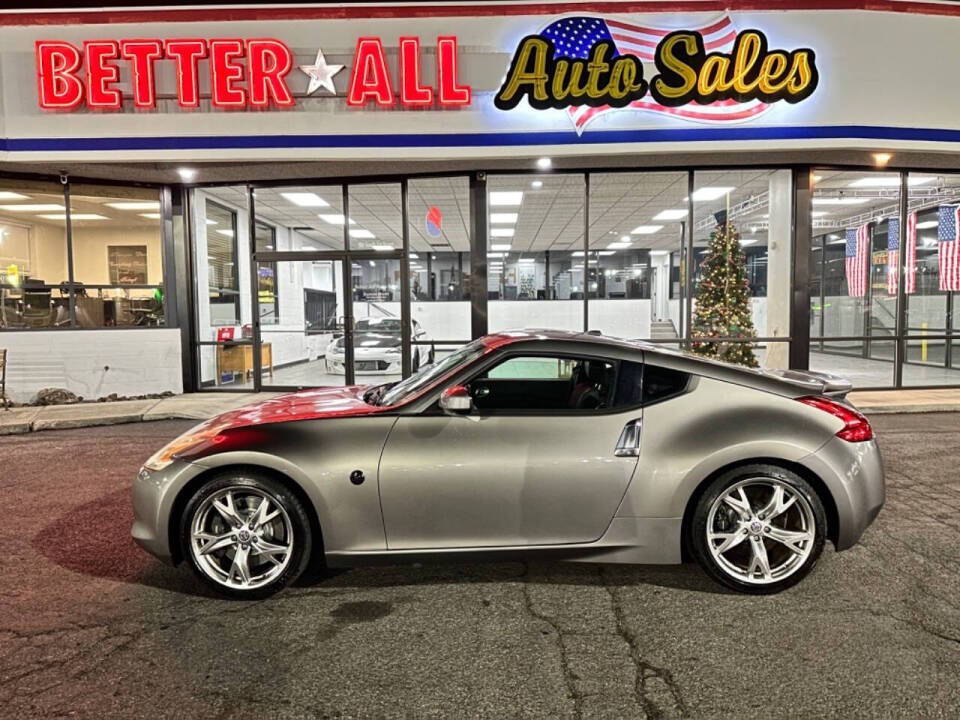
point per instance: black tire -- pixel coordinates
(697, 530)
(302, 541)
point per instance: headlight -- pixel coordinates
(189, 440)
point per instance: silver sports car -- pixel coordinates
(562, 445)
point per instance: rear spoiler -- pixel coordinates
(832, 386)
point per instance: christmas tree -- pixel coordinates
(723, 300)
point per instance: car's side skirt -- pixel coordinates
(641, 541)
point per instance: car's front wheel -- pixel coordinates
(245, 534)
(758, 529)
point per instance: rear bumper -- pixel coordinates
(853, 473)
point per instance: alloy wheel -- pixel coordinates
(241, 537)
(760, 530)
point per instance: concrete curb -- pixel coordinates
(197, 407)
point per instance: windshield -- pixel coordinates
(413, 385)
(385, 326)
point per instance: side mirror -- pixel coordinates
(456, 400)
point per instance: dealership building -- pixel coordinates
(252, 197)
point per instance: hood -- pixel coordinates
(369, 340)
(304, 405)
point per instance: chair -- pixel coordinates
(3, 379)
(37, 308)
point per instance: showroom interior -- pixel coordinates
(383, 269)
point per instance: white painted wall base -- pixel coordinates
(93, 363)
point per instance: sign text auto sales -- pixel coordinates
(686, 73)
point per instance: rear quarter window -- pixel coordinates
(660, 383)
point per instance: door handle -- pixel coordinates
(629, 443)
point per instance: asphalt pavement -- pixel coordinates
(92, 627)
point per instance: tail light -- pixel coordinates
(856, 426)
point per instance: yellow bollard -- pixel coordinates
(923, 343)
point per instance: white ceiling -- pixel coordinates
(551, 215)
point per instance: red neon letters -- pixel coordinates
(370, 78)
(242, 74)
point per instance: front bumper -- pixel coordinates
(853, 473)
(153, 496)
(365, 364)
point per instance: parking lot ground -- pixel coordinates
(92, 627)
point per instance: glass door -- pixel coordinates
(303, 321)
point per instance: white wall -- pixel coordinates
(93, 363)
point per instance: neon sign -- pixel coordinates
(243, 74)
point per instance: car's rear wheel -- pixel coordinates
(758, 529)
(245, 534)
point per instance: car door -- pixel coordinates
(509, 473)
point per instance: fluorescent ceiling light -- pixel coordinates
(334, 219)
(186, 174)
(607, 252)
(646, 229)
(537, 184)
(927, 224)
(670, 215)
(228, 233)
(48, 207)
(501, 232)
(75, 216)
(382, 248)
(818, 213)
(839, 200)
(414, 256)
(361, 234)
(511, 197)
(8, 195)
(618, 246)
(496, 254)
(150, 216)
(711, 193)
(747, 241)
(578, 253)
(153, 205)
(876, 181)
(211, 222)
(498, 247)
(544, 163)
(503, 218)
(526, 261)
(305, 199)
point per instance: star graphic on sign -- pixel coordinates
(321, 74)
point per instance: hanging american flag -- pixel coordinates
(575, 36)
(948, 247)
(893, 254)
(858, 260)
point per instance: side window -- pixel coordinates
(660, 382)
(646, 384)
(543, 382)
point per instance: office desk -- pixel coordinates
(238, 359)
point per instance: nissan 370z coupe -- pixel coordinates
(572, 446)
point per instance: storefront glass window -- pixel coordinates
(33, 256)
(117, 256)
(304, 218)
(438, 210)
(757, 204)
(930, 276)
(636, 221)
(265, 240)
(535, 251)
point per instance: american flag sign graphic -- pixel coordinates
(574, 36)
